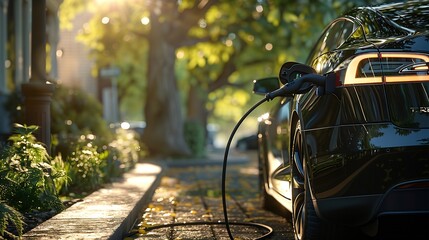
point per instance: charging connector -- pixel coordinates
(327, 82)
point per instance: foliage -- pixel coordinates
(26, 173)
(194, 137)
(85, 165)
(84, 146)
(124, 152)
(75, 112)
(8, 216)
(220, 45)
(88, 165)
(119, 43)
(63, 182)
(70, 8)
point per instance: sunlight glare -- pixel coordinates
(269, 46)
(105, 20)
(228, 42)
(180, 54)
(145, 20)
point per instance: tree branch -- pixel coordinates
(187, 19)
(227, 70)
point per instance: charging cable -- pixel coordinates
(225, 160)
(227, 223)
(327, 82)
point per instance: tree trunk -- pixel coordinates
(164, 122)
(196, 105)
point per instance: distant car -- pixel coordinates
(247, 143)
(359, 156)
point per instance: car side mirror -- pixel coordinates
(265, 85)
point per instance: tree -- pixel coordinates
(249, 41)
(169, 31)
(223, 43)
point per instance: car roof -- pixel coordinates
(411, 14)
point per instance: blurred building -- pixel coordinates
(23, 33)
(74, 65)
(14, 56)
(69, 63)
(75, 68)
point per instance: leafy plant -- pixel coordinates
(75, 112)
(8, 215)
(60, 168)
(126, 148)
(26, 176)
(194, 136)
(85, 165)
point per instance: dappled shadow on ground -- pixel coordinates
(193, 194)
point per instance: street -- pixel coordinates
(193, 194)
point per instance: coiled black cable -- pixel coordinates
(225, 211)
(225, 161)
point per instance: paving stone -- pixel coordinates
(185, 191)
(197, 197)
(105, 214)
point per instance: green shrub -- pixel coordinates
(89, 165)
(62, 183)
(8, 216)
(127, 148)
(75, 113)
(26, 175)
(85, 165)
(195, 137)
(124, 153)
(113, 168)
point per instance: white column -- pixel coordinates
(3, 41)
(26, 39)
(4, 91)
(19, 54)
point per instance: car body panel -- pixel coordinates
(377, 156)
(366, 144)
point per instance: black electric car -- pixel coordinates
(354, 153)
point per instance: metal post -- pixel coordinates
(38, 93)
(115, 102)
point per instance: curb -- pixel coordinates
(108, 213)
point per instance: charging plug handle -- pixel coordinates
(295, 85)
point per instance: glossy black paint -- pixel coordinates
(365, 159)
(367, 145)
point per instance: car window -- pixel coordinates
(378, 27)
(335, 35)
(411, 15)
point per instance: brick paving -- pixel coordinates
(193, 194)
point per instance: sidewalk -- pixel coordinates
(191, 194)
(111, 212)
(107, 213)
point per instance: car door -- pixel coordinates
(278, 132)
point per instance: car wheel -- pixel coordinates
(306, 224)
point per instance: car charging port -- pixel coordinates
(325, 85)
